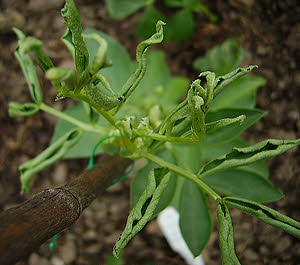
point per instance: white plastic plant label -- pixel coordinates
(168, 221)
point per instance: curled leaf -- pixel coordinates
(226, 239)
(143, 211)
(224, 80)
(141, 53)
(26, 109)
(265, 214)
(48, 157)
(28, 69)
(213, 126)
(73, 23)
(66, 75)
(100, 58)
(96, 93)
(247, 155)
(35, 45)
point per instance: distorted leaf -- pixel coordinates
(48, 157)
(247, 155)
(265, 214)
(226, 240)
(144, 209)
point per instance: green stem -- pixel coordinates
(108, 116)
(85, 126)
(183, 172)
(163, 138)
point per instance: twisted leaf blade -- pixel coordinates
(265, 214)
(247, 155)
(226, 239)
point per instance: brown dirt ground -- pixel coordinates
(269, 30)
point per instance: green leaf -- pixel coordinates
(88, 140)
(240, 93)
(48, 157)
(144, 209)
(141, 58)
(265, 214)
(243, 184)
(139, 184)
(181, 26)
(247, 155)
(119, 9)
(26, 109)
(122, 66)
(226, 239)
(153, 85)
(195, 220)
(232, 131)
(212, 152)
(147, 23)
(28, 69)
(73, 23)
(221, 59)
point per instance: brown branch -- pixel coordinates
(25, 227)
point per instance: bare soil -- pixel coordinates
(268, 29)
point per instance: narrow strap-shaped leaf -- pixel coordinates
(28, 69)
(247, 155)
(143, 211)
(73, 23)
(224, 80)
(26, 109)
(195, 104)
(100, 58)
(213, 126)
(48, 157)
(265, 214)
(141, 53)
(226, 239)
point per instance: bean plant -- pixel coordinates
(188, 134)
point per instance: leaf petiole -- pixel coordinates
(85, 126)
(183, 172)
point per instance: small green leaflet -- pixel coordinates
(226, 239)
(265, 214)
(247, 155)
(144, 208)
(48, 157)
